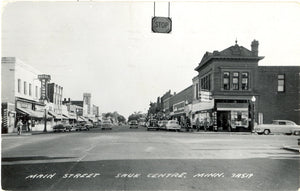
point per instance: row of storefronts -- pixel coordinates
(231, 92)
(29, 97)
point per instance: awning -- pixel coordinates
(232, 106)
(57, 116)
(31, 113)
(69, 116)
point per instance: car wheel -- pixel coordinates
(266, 131)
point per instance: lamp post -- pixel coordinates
(253, 99)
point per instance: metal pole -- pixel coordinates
(154, 8)
(45, 121)
(169, 9)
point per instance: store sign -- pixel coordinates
(205, 96)
(179, 107)
(44, 78)
(161, 24)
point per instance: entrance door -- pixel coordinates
(222, 120)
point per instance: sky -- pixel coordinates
(108, 48)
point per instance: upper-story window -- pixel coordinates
(19, 85)
(226, 80)
(281, 79)
(206, 82)
(25, 88)
(245, 81)
(30, 92)
(235, 81)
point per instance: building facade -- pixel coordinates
(20, 94)
(279, 93)
(55, 95)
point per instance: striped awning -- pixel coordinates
(31, 113)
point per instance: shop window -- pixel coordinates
(30, 92)
(245, 81)
(281, 79)
(235, 81)
(19, 85)
(25, 88)
(226, 84)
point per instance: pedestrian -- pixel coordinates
(19, 127)
(205, 124)
(197, 124)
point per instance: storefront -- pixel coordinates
(233, 116)
(204, 112)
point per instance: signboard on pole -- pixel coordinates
(161, 24)
(44, 78)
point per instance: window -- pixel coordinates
(235, 81)
(205, 82)
(19, 85)
(280, 87)
(226, 77)
(281, 123)
(245, 81)
(36, 91)
(29, 89)
(25, 88)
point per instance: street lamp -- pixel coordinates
(253, 99)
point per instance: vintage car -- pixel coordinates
(162, 124)
(133, 124)
(173, 125)
(62, 128)
(106, 124)
(278, 126)
(82, 126)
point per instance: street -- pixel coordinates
(137, 159)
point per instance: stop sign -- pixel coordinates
(161, 24)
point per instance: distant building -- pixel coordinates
(95, 111)
(87, 101)
(55, 95)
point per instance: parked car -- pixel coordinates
(173, 125)
(278, 126)
(62, 128)
(82, 126)
(106, 124)
(89, 124)
(133, 124)
(162, 124)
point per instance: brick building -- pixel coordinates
(279, 93)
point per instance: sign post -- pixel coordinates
(44, 78)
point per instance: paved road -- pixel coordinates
(134, 159)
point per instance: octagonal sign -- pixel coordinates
(161, 24)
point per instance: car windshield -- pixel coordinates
(106, 121)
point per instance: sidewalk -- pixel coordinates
(25, 133)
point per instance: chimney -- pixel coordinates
(254, 47)
(69, 100)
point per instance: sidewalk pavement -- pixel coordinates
(25, 133)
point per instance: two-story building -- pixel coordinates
(20, 94)
(233, 91)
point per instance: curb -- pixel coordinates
(291, 148)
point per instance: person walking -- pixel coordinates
(197, 124)
(19, 127)
(205, 124)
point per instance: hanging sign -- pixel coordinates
(44, 80)
(161, 24)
